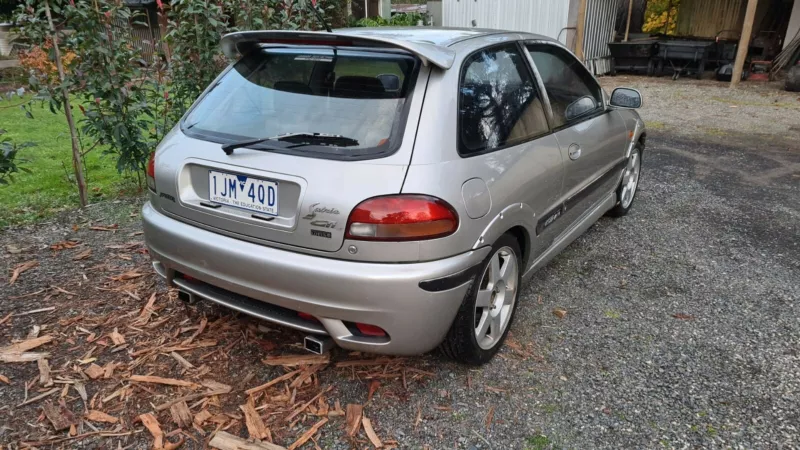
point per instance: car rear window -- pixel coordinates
(361, 96)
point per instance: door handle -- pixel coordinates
(574, 151)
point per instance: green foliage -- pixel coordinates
(397, 20)
(8, 158)
(110, 80)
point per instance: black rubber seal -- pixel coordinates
(451, 281)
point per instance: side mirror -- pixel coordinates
(626, 98)
(580, 107)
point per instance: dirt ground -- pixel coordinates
(681, 328)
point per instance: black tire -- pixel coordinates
(619, 208)
(461, 344)
(793, 79)
(613, 70)
(651, 67)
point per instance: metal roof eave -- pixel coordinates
(233, 44)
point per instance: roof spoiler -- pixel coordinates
(234, 45)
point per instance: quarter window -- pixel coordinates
(498, 104)
(571, 89)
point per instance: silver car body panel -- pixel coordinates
(515, 188)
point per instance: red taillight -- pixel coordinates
(151, 172)
(370, 330)
(401, 218)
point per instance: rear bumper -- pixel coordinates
(265, 282)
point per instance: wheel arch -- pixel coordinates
(518, 220)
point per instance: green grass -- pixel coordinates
(50, 187)
(537, 442)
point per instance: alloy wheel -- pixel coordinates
(496, 297)
(630, 178)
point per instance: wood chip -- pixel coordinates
(108, 369)
(151, 423)
(306, 374)
(216, 386)
(6, 318)
(308, 434)
(160, 380)
(94, 371)
(255, 426)
(352, 417)
(22, 268)
(36, 311)
(44, 373)
(82, 255)
(181, 414)
(200, 329)
(39, 397)
(226, 441)
(371, 433)
(188, 398)
(201, 417)
(99, 416)
(560, 312)
(59, 416)
(490, 418)
(273, 382)
(182, 361)
(116, 337)
(296, 360)
(19, 352)
(306, 404)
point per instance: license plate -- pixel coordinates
(244, 192)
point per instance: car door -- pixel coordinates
(591, 137)
(503, 132)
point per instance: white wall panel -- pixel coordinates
(545, 17)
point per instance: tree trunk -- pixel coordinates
(76, 150)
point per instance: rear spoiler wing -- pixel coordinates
(234, 45)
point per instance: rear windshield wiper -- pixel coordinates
(297, 140)
(317, 139)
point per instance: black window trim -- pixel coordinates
(520, 48)
(398, 129)
(601, 110)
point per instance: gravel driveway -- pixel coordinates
(682, 324)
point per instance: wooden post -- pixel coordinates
(580, 30)
(628, 26)
(744, 43)
(76, 149)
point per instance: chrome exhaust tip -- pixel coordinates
(318, 344)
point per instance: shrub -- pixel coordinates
(397, 20)
(8, 157)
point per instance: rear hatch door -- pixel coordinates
(342, 126)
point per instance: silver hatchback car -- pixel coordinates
(388, 190)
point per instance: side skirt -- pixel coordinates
(573, 233)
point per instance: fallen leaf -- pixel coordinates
(5, 379)
(99, 416)
(683, 316)
(64, 245)
(352, 419)
(371, 433)
(489, 418)
(104, 228)
(82, 255)
(373, 386)
(151, 423)
(560, 312)
(22, 268)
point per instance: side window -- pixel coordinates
(572, 91)
(498, 103)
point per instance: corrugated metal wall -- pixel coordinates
(546, 17)
(601, 17)
(705, 18)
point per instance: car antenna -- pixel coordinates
(321, 19)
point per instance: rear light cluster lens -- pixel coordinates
(151, 172)
(401, 218)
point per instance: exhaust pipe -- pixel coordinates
(186, 297)
(318, 344)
